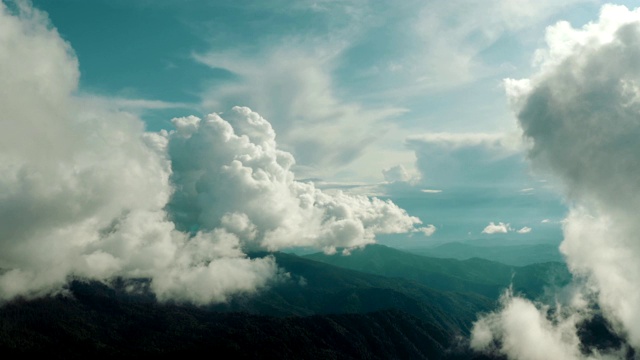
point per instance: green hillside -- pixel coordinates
(477, 276)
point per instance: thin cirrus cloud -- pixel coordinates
(581, 112)
(86, 192)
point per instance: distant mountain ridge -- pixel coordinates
(513, 254)
(479, 276)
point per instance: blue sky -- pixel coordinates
(352, 88)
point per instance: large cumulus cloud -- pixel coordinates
(229, 173)
(86, 192)
(581, 115)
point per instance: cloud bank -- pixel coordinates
(86, 192)
(581, 115)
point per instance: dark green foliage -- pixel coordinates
(357, 316)
(96, 323)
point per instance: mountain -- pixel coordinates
(517, 255)
(99, 322)
(318, 288)
(476, 276)
(321, 311)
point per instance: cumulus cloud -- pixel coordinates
(499, 228)
(224, 167)
(69, 173)
(86, 192)
(581, 115)
(524, 230)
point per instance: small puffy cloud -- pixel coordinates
(499, 228)
(524, 230)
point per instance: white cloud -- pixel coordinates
(235, 167)
(499, 228)
(68, 173)
(86, 192)
(581, 115)
(526, 332)
(427, 230)
(524, 230)
(431, 191)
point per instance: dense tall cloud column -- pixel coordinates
(581, 114)
(69, 173)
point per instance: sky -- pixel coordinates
(169, 140)
(370, 97)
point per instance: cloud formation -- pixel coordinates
(581, 114)
(86, 192)
(528, 332)
(499, 228)
(291, 83)
(230, 173)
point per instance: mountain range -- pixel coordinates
(377, 303)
